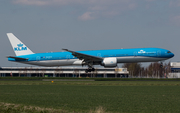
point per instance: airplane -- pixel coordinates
(106, 58)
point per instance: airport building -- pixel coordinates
(175, 70)
(62, 72)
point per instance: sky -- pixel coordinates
(50, 25)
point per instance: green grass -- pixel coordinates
(112, 96)
(96, 79)
(95, 83)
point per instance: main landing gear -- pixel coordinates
(90, 67)
(89, 70)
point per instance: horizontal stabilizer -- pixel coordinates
(18, 58)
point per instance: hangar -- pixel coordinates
(62, 72)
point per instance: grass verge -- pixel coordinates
(17, 108)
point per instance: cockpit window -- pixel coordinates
(169, 52)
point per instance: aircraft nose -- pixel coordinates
(171, 55)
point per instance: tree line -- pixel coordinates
(155, 69)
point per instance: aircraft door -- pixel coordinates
(158, 53)
(38, 58)
(99, 54)
(68, 57)
(135, 54)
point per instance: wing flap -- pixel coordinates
(84, 57)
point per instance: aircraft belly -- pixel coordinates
(59, 62)
(52, 62)
(138, 59)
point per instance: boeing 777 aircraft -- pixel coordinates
(106, 58)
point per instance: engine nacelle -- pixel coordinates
(109, 62)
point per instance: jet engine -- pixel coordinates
(109, 62)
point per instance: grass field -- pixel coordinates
(88, 96)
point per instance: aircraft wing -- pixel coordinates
(18, 58)
(85, 57)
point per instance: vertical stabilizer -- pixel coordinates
(18, 47)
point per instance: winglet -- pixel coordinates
(64, 49)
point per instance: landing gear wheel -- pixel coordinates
(92, 69)
(89, 70)
(86, 71)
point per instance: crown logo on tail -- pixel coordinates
(20, 45)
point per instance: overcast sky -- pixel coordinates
(50, 25)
